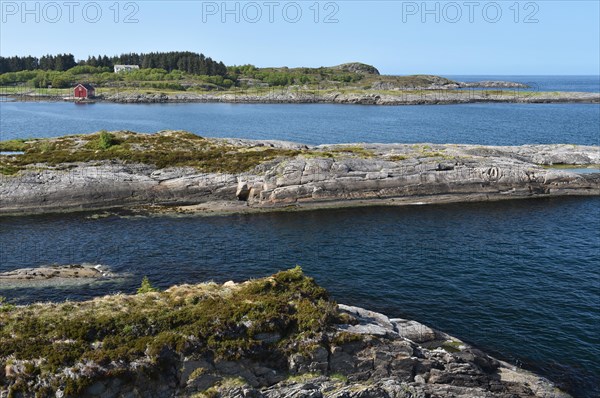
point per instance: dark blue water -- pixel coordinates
(520, 279)
(485, 124)
(589, 83)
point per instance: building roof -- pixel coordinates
(87, 86)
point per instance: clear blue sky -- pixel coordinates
(398, 37)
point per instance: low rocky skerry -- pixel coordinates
(428, 96)
(55, 271)
(281, 336)
(294, 95)
(183, 172)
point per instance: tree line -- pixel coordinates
(59, 62)
(185, 61)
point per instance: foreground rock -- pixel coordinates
(273, 338)
(303, 177)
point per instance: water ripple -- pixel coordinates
(520, 279)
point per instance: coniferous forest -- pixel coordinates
(185, 61)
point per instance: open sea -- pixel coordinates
(519, 279)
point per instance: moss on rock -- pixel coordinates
(220, 322)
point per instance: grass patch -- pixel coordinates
(165, 149)
(343, 338)
(8, 169)
(302, 378)
(13, 145)
(434, 154)
(339, 377)
(354, 150)
(397, 158)
(451, 346)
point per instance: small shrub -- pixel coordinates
(106, 140)
(146, 286)
(5, 306)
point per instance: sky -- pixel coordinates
(398, 37)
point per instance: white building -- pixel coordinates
(121, 68)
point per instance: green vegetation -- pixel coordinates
(164, 149)
(563, 166)
(180, 71)
(168, 149)
(184, 71)
(5, 306)
(13, 145)
(8, 170)
(184, 61)
(397, 158)
(146, 286)
(302, 378)
(105, 140)
(451, 346)
(354, 149)
(339, 377)
(208, 320)
(343, 338)
(169, 76)
(425, 151)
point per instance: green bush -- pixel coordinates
(106, 140)
(146, 286)
(61, 82)
(81, 69)
(5, 305)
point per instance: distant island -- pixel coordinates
(177, 171)
(191, 77)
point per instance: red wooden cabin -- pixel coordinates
(84, 91)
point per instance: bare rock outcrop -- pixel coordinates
(373, 358)
(328, 175)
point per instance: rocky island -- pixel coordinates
(180, 171)
(350, 83)
(357, 97)
(281, 336)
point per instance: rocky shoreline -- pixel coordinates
(308, 177)
(311, 348)
(366, 97)
(433, 97)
